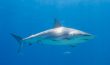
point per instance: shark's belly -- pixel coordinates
(62, 42)
(66, 40)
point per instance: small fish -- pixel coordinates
(67, 52)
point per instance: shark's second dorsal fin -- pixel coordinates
(57, 23)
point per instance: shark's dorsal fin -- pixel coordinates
(57, 23)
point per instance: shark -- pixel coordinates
(58, 35)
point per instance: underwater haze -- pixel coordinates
(26, 17)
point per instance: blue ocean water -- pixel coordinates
(26, 17)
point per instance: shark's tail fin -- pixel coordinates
(19, 40)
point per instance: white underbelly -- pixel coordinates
(62, 42)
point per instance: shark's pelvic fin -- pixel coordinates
(57, 23)
(19, 40)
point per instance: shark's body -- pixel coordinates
(59, 35)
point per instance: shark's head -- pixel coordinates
(80, 36)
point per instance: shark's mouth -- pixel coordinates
(86, 36)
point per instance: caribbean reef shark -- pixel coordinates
(59, 35)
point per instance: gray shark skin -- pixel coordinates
(59, 35)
